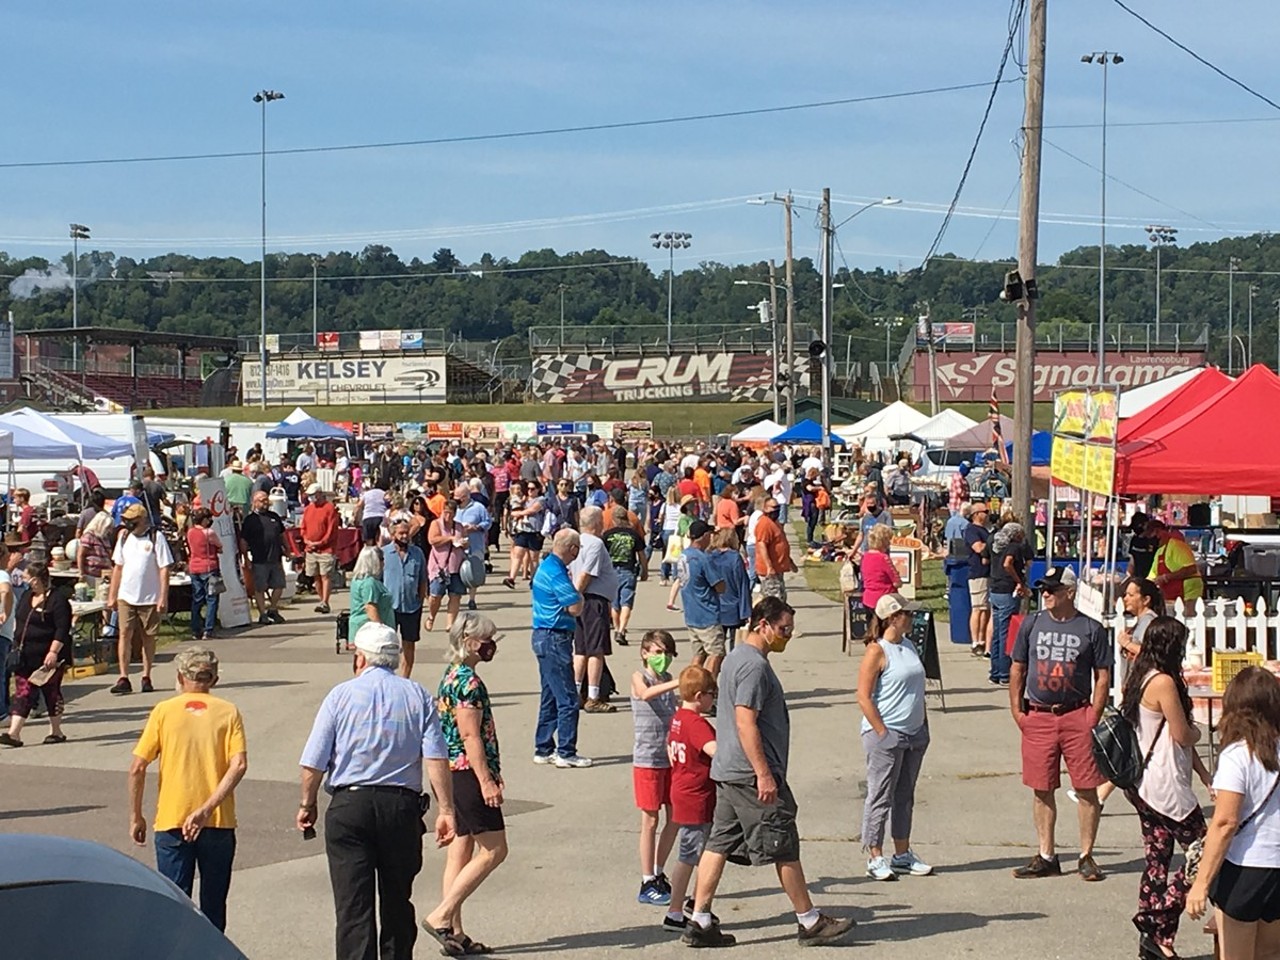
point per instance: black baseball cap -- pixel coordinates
(699, 529)
(1056, 579)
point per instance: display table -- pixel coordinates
(89, 654)
(1210, 698)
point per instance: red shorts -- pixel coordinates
(653, 787)
(1048, 739)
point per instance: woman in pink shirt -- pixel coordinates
(203, 551)
(879, 575)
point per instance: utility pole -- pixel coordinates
(1028, 242)
(315, 302)
(773, 336)
(1248, 362)
(932, 354)
(827, 234)
(1233, 264)
(792, 379)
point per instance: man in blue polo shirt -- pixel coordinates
(556, 602)
(700, 587)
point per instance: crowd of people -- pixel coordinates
(583, 526)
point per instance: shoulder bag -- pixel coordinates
(1116, 749)
(1195, 850)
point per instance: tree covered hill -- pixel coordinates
(500, 299)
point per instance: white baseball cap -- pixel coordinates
(377, 638)
(888, 605)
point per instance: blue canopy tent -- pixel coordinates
(309, 428)
(805, 431)
(1041, 448)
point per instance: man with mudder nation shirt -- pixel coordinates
(1058, 685)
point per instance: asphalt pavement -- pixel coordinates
(569, 885)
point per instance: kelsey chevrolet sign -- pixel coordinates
(346, 380)
(972, 376)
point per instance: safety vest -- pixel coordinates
(1190, 589)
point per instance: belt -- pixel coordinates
(1057, 709)
(376, 788)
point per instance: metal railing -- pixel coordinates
(652, 338)
(106, 368)
(991, 335)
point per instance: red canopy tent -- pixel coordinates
(1228, 444)
(1207, 383)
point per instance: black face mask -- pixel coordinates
(772, 514)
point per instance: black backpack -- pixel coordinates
(1117, 751)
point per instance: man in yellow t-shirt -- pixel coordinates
(199, 739)
(1173, 568)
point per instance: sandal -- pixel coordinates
(55, 738)
(9, 741)
(509, 583)
(471, 948)
(431, 624)
(449, 947)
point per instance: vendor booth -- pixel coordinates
(873, 433)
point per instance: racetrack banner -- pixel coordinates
(349, 379)
(585, 377)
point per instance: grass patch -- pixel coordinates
(824, 580)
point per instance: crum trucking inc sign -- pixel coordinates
(583, 378)
(324, 380)
(971, 377)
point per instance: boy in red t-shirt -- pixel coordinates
(691, 744)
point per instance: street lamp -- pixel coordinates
(882, 202)
(1105, 58)
(1233, 264)
(1160, 235)
(671, 241)
(766, 311)
(1253, 292)
(315, 302)
(78, 232)
(264, 97)
(562, 286)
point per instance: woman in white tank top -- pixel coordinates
(1156, 702)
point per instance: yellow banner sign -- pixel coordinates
(1071, 412)
(1083, 465)
(1104, 415)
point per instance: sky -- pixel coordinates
(94, 81)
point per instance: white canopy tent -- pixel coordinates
(944, 426)
(978, 437)
(761, 432)
(872, 433)
(1133, 402)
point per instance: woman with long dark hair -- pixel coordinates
(1156, 702)
(1240, 869)
(43, 636)
(1144, 602)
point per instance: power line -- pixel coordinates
(1130, 186)
(1195, 56)
(1015, 22)
(509, 135)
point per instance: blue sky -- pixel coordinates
(91, 80)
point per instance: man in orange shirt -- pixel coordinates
(702, 477)
(199, 741)
(773, 552)
(320, 538)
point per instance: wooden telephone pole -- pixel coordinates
(793, 378)
(1028, 242)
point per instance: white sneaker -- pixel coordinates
(878, 869)
(1072, 796)
(910, 864)
(565, 763)
(544, 758)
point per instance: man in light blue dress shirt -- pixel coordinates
(475, 520)
(368, 743)
(404, 574)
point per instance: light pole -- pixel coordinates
(1160, 235)
(671, 241)
(562, 286)
(1106, 58)
(766, 310)
(78, 232)
(1253, 292)
(264, 97)
(1233, 264)
(315, 302)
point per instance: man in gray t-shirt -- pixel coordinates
(596, 579)
(755, 815)
(747, 680)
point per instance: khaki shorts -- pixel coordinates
(979, 593)
(708, 641)
(138, 624)
(320, 564)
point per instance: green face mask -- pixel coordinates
(659, 662)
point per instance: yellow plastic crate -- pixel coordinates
(1226, 664)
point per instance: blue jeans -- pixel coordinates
(5, 643)
(201, 597)
(752, 577)
(213, 852)
(558, 708)
(1003, 607)
(668, 569)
